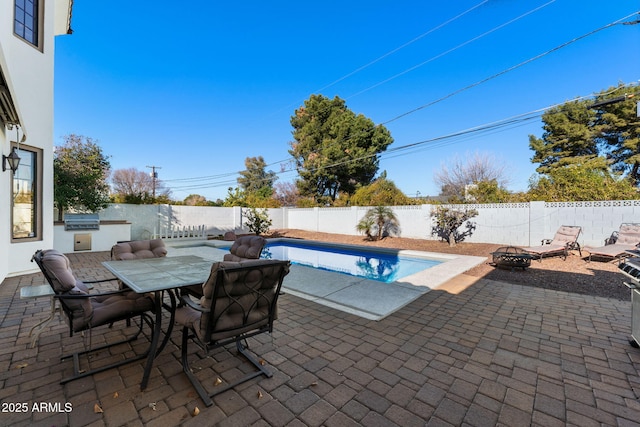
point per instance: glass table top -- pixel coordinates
(157, 274)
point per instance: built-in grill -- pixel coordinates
(81, 222)
(631, 268)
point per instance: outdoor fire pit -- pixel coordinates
(511, 257)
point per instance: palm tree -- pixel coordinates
(380, 219)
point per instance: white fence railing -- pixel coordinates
(184, 232)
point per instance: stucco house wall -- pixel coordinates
(28, 73)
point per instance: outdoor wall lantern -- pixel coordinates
(13, 159)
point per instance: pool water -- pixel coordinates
(383, 267)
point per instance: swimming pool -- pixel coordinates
(384, 267)
(370, 299)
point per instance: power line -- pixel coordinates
(619, 21)
(436, 142)
(451, 50)
(478, 83)
(391, 52)
(406, 149)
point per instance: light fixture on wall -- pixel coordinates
(13, 159)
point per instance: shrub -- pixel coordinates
(379, 222)
(258, 221)
(448, 223)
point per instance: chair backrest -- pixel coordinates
(138, 249)
(242, 298)
(246, 247)
(56, 268)
(566, 234)
(629, 234)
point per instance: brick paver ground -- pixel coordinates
(478, 353)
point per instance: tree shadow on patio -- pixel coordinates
(581, 277)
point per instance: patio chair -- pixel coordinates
(240, 301)
(244, 248)
(565, 239)
(144, 249)
(138, 249)
(84, 311)
(615, 246)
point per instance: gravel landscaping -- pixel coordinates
(575, 274)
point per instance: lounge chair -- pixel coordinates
(239, 301)
(615, 247)
(85, 311)
(565, 239)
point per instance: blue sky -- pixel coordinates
(194, 88)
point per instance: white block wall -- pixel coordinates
(521, 224)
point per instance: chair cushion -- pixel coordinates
(565, 234)
(629, 234)
(106, 309)
(235, 310)
(58, 268)
(94, 311)
(138, 249)
(245, 247)
(545, 249)
(234, 306)
(613, 251)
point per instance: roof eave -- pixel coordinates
(62, 17)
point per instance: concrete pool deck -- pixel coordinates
(370, 299)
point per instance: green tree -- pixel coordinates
(235, 197)
(569, 138)
(80, 172)
(489, 192)
(255, 177)
(334, 149)
(381, 192)
(580, 183)
(604, 135)
(379, 222)
(263, 198)
(618, 129)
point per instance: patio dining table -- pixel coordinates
(157, 275)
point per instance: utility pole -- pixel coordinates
(154, 177)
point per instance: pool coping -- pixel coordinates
(362, 297)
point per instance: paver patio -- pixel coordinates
(474, 352)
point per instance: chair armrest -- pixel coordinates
(100, 281)
(188, 301)
(611, 239)
(546, 241)
(101, 294)
(89, 283)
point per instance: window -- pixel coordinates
(26, 20)
(27, 201)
